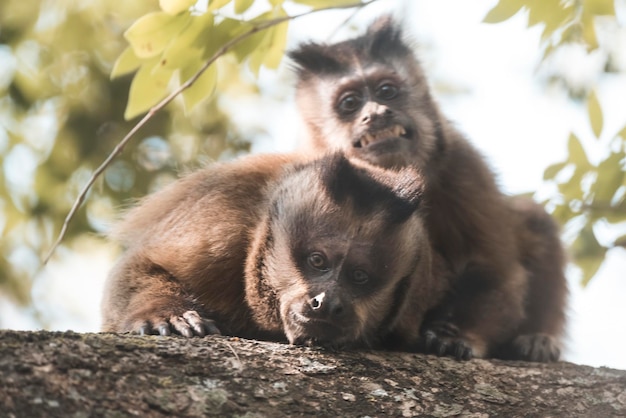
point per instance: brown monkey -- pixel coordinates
(320, 252)
(368, 96)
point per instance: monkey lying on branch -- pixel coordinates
(330, 251)
(368, 97)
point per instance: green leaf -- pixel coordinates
(576, 152)
(242, 5)
(595, 114)
(174, 7)
(622, 133)
(151, 33)
(551, 172)
(505, 9)
(149, 87)
(610, 178)
(217, 4)
(126, 63)
(190, 44)
(202, 88)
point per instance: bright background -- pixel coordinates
(487, 81)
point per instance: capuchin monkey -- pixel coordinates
(368, 97)
(330, 252)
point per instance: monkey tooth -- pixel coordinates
(391, 132)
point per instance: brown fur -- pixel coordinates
(228, 249)
(369, 97)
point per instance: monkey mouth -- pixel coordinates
(383, 136)
(309, 331)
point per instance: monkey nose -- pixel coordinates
(317, 301)
(323, 306)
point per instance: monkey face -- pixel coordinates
(343, 288)
(333, 258)
(368, 97)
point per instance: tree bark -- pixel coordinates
(66, 374)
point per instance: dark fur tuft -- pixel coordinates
(344, 180)
(382, 40)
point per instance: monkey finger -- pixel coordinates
(211, 328)
(196, 322)
(461, 350)
(144, 328)
(181, 326)
(429, 340)
(164, 329)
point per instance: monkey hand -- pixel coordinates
(443, 339)
(538, 347)
(189, 323)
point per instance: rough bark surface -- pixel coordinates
(66, 374)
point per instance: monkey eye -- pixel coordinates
(318, 261)
(350, 103)
(360, 277)
(387, 91)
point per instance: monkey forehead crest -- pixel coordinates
(336, 184)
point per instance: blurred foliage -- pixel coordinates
(590, 193)
(176, 42)
(60, 115)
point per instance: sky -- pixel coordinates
(518, 124)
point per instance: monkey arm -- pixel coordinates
(144, 298)
(480, 312)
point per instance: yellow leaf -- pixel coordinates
(276, 50)
(256, 60)
(589, 267)
(150, 34)
(599, 7)
(276, 2)
(318, 4)
(251, 45)
(610, 177)
(149, 87)
(577, 154)
(589, 30)
(242, 5)
(551, 172)
(595, 114)
(505, 9)
(202, 88)
(126, 63)
(217, 4)
(191, 42)
(174, 7)
(555, 16)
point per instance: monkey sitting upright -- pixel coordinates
(326, 252)
(368, 96)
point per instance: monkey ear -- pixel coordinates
(313, 58)
(385, 34)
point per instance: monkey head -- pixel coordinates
(369, 96)
(336, 260)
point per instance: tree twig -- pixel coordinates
(120, 146)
